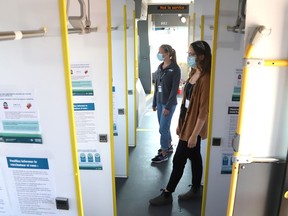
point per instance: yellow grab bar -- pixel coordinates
(279, 63)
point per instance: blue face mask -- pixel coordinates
(191, 60)
(160, 57)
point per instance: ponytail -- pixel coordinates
(173, 55)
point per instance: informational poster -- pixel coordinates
(19, 118)
(85, 123)
(85, 116)
(5, 208)
(115, 112)
(84, 106)
(227, 162)
(81, 80)
(29, 183)
(237, 85)
(233, 111)
(89, 159)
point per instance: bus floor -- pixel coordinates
(146, 179)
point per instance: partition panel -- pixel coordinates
(39, 172)
(92, 95)
(120, 93)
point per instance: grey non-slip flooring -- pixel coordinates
(146, 179)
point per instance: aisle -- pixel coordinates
(146, 179)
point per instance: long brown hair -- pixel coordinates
(203, 48)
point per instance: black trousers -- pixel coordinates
(179, 160)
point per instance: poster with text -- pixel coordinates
(89, 159)
(115, 112)
(84, 104)
(232, 122)
(227, 162)
(5, 207)
(30, 185)
(237, 85)
(19, 118)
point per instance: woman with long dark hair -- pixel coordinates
(192, 124)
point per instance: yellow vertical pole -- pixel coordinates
(189, 30)
(247, 54)
(72, 128)
(235, 166)
(108, 2)
(136, 47)
(211, 100)
(126, 86)
(194, 25)
(136, 76)
(202, 27)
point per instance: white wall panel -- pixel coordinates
(36, 64)
(263, 124)
(229, 54)
(120, 141)
(131, 73)
(92, 49)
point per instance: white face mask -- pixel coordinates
(160, 57)
(191, 60)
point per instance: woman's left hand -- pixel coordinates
(192, 141)
(165, 112)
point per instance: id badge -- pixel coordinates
(187, 103)
(159, 88)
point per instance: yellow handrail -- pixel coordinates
(126, 89)
(136, 76)
(235, 166)
(109, 38)
(211, 99)
(247, 54)
(68, 83)
(202, 27)
(194, 26)
(279, 63)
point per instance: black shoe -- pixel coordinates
(193, 192)
(165, 198)
(159, 158)
(169, 150)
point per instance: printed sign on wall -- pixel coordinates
(89, 159)
(233, 111)
(85, 117)
(84, 106)
(115, 114)
(30, 185)
(19, 119)
(237, 85)
(226, 165)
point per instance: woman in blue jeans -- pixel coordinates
(165, 98)
(192, 125)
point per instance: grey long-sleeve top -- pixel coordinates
(168, 79)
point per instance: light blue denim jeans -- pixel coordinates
(164, 125)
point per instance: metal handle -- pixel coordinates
(17, 35)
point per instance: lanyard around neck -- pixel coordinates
(161, 77)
